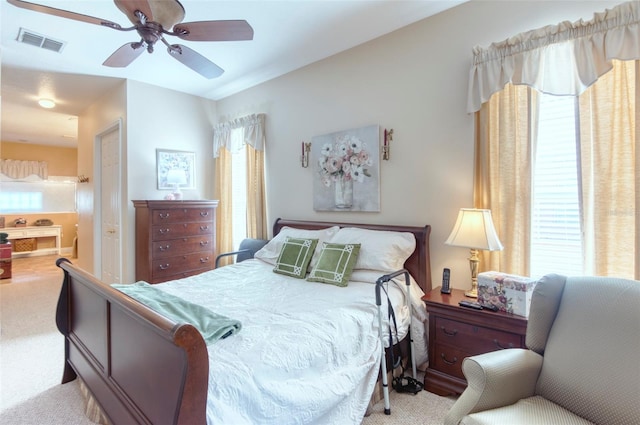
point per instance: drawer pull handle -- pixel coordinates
(203, 228)
(500, 346)
(163, 215)
(163, 231)
(164, 248)
(164, 266)
(204, 260)
(204, 213)
(454, 333)
(204, 243)
(449, 362)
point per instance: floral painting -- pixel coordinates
(347, 170)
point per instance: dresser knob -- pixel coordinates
(449, 362)
(164, 231)
(163, 215)
(164, 266)
(204, 243)
(164, 248)
(204, 260)
(204, 213)
(203, 228)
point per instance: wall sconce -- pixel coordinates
(388, 137)
(304, 159)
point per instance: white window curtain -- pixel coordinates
(563, 59)
(17, 169)
(253, 134)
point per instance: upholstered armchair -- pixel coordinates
(248, 247)
(582, 365)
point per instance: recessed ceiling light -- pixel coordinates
(46, 103)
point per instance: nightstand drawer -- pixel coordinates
(448, 360)
(472, 338)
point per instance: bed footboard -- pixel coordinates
(140, 366)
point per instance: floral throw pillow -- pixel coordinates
(295, 256)
(335, 263)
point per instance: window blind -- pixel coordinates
(556, 233)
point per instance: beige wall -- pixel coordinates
(60, 162)
(414, 81)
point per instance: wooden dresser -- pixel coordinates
(174, 239)
(457, 332)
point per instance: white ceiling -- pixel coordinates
(287, 35)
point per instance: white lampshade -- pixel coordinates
(176, 177)
(474, 229)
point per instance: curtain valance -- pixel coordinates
(561, 59)
(17, 169)
(253, 133)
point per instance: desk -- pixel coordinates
(36, 232)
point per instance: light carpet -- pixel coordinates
(32, 356)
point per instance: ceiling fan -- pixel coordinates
(152, 19)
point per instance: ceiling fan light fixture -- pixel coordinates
(47, 103)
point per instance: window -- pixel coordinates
(58, 194)
(556, 242)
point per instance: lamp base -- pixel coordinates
(472, 293)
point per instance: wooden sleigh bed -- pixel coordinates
(141, 367)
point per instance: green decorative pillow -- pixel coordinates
(335, 263)
(295, 256)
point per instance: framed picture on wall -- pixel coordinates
(347, 170)
(175, 168)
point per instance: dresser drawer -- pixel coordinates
(181, 263)
(473, 339)
(180, 215)
(175, 247)
(178, 230)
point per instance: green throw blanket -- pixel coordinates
(212, 326)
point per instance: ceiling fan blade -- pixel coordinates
(63, 13)
(195, 61)
(124, 55)
(214, 30)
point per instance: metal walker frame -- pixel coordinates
(383, 362)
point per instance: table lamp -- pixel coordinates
(176, 177)
(474, 229)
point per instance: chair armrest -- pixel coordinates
(226, 254)
(496, 379)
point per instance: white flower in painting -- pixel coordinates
(346, 158)
(358, 174)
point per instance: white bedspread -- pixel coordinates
(307, 353)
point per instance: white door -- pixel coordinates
(110, 216)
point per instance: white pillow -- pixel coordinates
(379, 249)
(270, 252)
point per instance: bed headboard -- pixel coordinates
(418, 264)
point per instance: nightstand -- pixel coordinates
(457, 332)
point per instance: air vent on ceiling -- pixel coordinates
(35, 39)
